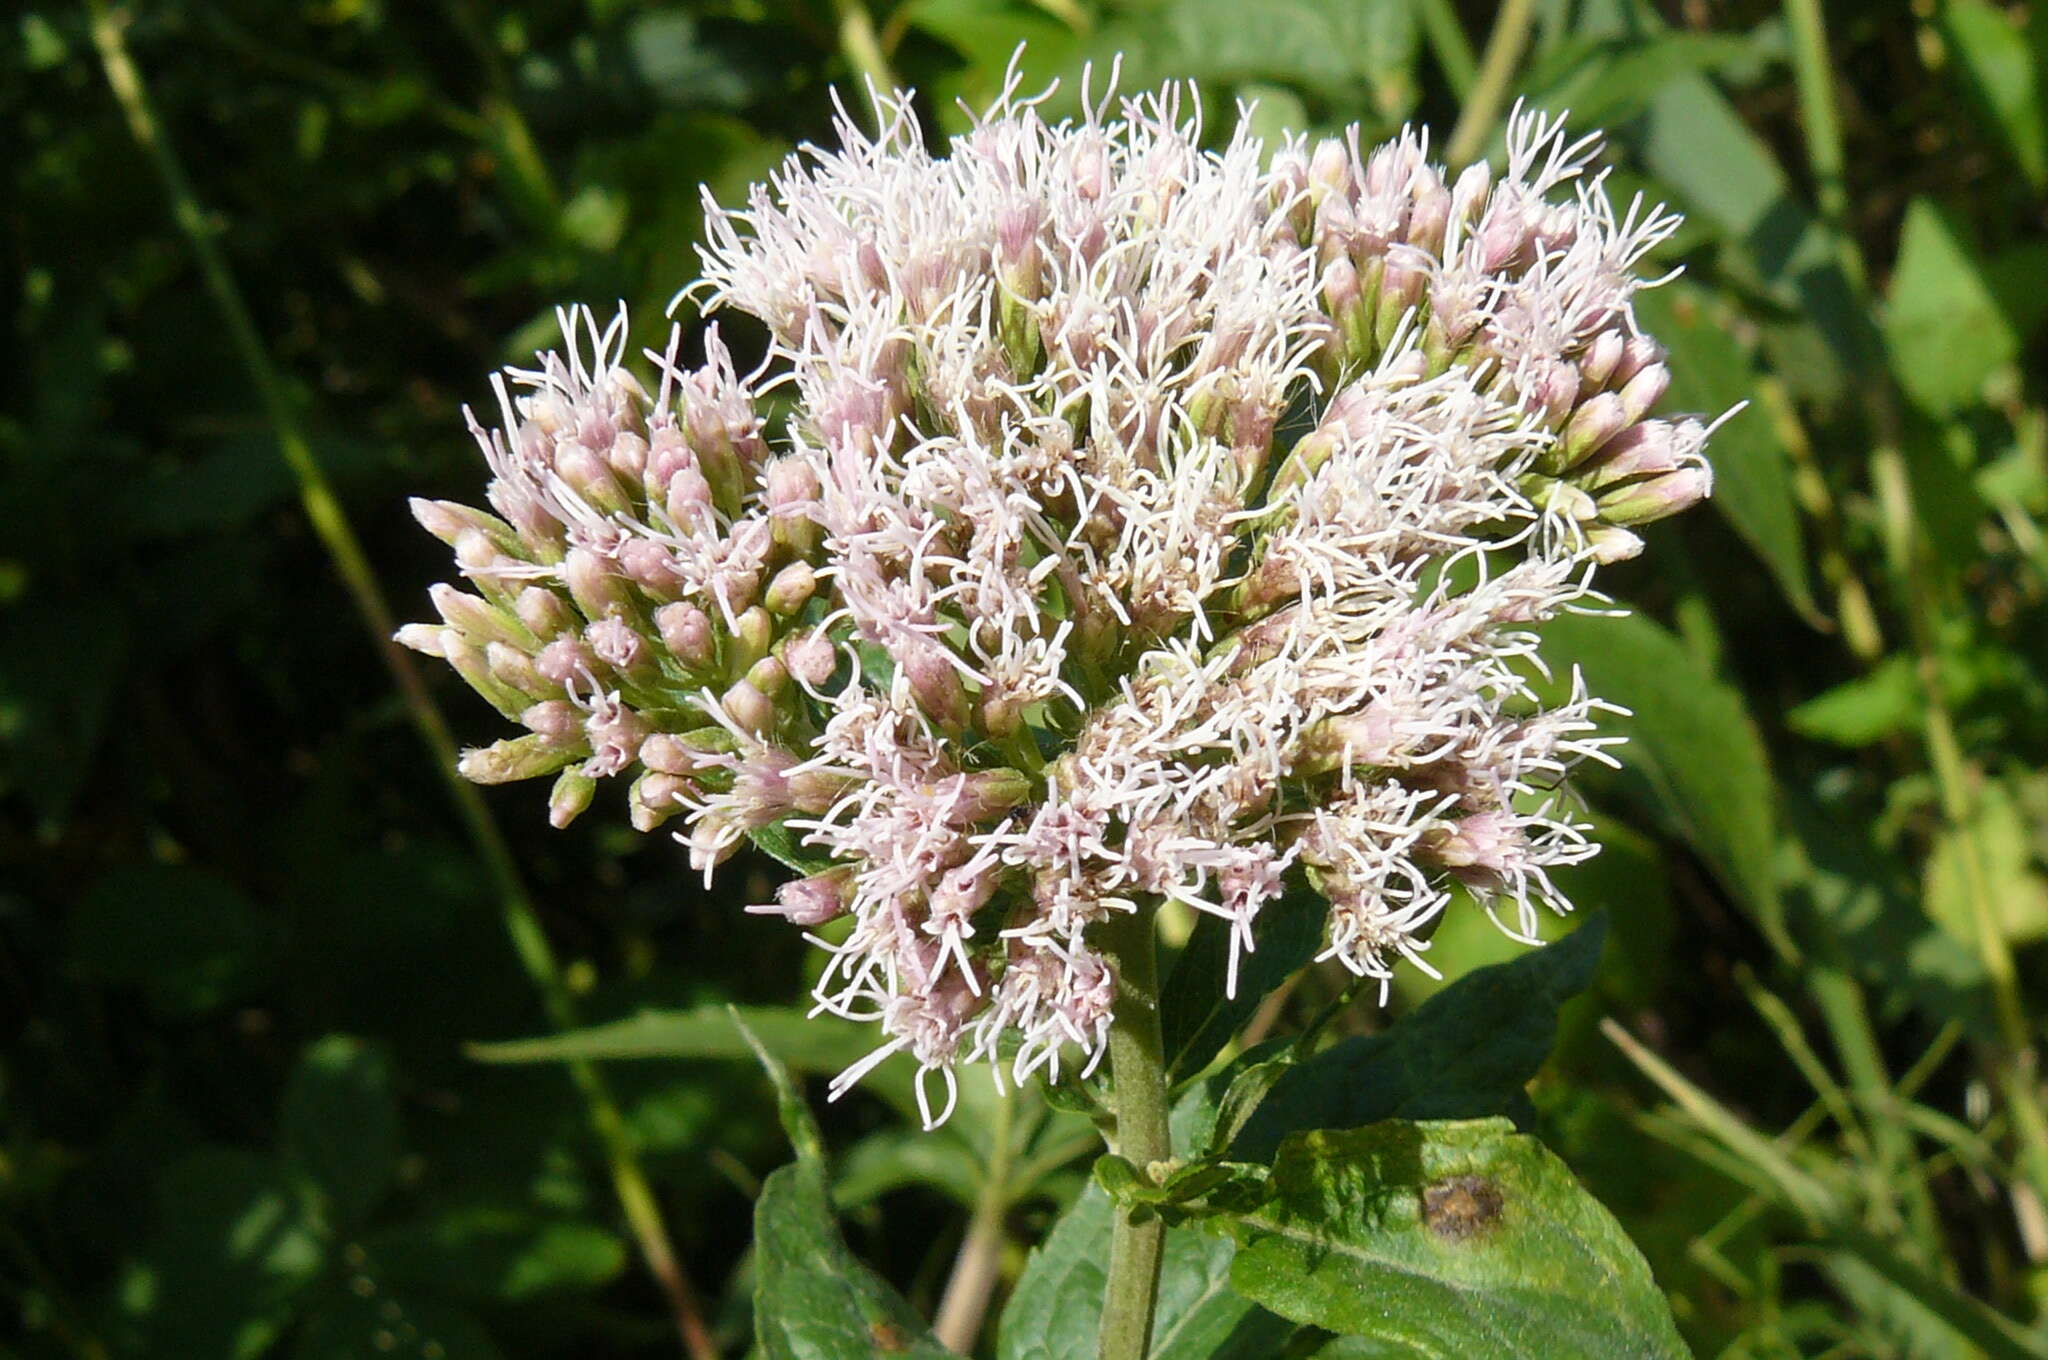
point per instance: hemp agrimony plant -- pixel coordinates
(1112, 523)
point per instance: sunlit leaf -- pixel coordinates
(1999, 70)
(1451, 1239)
(1693, 758)
(1943, 325)
(1711, 374)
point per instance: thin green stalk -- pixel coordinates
(1504, 47)
(338, 538)
(1817, 114)
(863, 49)
(1847, 1016)
(1452, 48)
(1759, 1161)
(979, 1263)
(2015, 1069)
(1137, 1062)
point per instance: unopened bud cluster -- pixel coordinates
(1032, 612)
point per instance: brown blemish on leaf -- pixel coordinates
(1459, 1208)
(888, 1338)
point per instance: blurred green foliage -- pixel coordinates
(243, 941)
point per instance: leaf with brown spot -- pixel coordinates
(1460, 1207)
(1450, 1239)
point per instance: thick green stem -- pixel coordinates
(337, 536)
(1489, 94)
(1137, 1062)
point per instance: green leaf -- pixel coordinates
(339, 1124)
(786, 847)
(1691, 139)
(813, 1298)
(1693, 756)
(372, 1322)
(1348, 52)
(1943, 325)
(1466, 1052)
(823, 1043)
(1608, 81)
(2001, 74)
(820, 1044)
(496, 1254)
(1056, 1309)
(1880, 703)
(190, 940)
(1196, 1018)
(898, 1158)
(1995, 848)
(1712, 373)
(1452, 1239)
(236, 1240)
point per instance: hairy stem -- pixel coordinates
(1489, 94)
(344, 549)
(1138, 1071)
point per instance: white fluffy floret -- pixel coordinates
(1153, 524)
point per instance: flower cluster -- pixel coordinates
(1150, 524)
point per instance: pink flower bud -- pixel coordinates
(753, 632)
(594, 584)
(514, 669)
(567, 661)
(1641, 393)
(513, 759)
(1597, 421)
(424, 638)
(810, 901)
(1611, 543)
(810, 657)
(791, 589)
(768, 675)
(748, 707)
(1602, 354)
(654, 798)
(615, 733)
(1638, 352)
(470, 663)
(651, 567)
(1641, 502)
(936, 683)
(1650, 448)
(687, 497)
(686, 633)
(545, 614)
(558, 720)
(589, 477)
(960, 893)
(478, 620)
(628, 457)
(571, 795)
(1431, 213)
(449, 520)
(618, 644)
(1331, 171)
